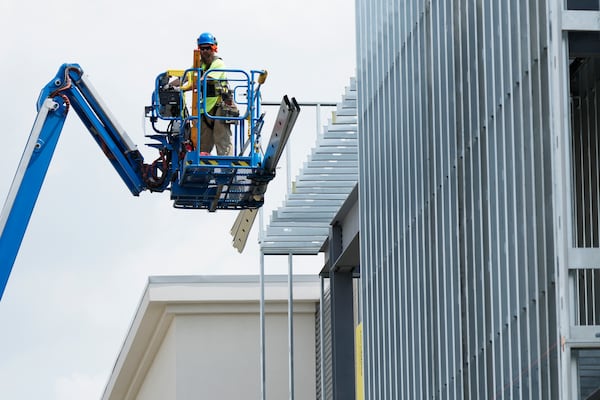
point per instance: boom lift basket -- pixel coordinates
(200, 180)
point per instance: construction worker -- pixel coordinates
(218, 101)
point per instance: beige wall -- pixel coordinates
(199, 338)
(159, 383)
(212, 352)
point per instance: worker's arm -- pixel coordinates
(188, 80)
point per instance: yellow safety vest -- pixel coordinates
(213, 86)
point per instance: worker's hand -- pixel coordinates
(173, 84)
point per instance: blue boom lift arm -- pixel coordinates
(195, 180)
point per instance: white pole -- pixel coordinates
(291, 325)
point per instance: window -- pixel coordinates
(589, 5)
(588, 373)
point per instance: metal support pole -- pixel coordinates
(318, 119)
(288, 167)
(322, 336)
(291, 325)
(263, 374)
(263, 380)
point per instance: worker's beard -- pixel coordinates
(206, 59)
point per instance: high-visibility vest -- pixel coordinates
(212, 94)
(214, 85)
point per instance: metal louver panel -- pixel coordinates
(324, 376)
(301, 224)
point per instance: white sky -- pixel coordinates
(91, 245)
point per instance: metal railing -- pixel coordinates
(585, 175)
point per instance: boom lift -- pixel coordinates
(196, 180)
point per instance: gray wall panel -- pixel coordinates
(457, 231)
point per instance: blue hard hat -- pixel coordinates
(207, 38)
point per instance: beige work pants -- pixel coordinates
(215, 133)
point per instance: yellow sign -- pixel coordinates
(358, 361)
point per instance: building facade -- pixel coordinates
(198, 337)
(478, 191)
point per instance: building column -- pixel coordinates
(342, 322)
